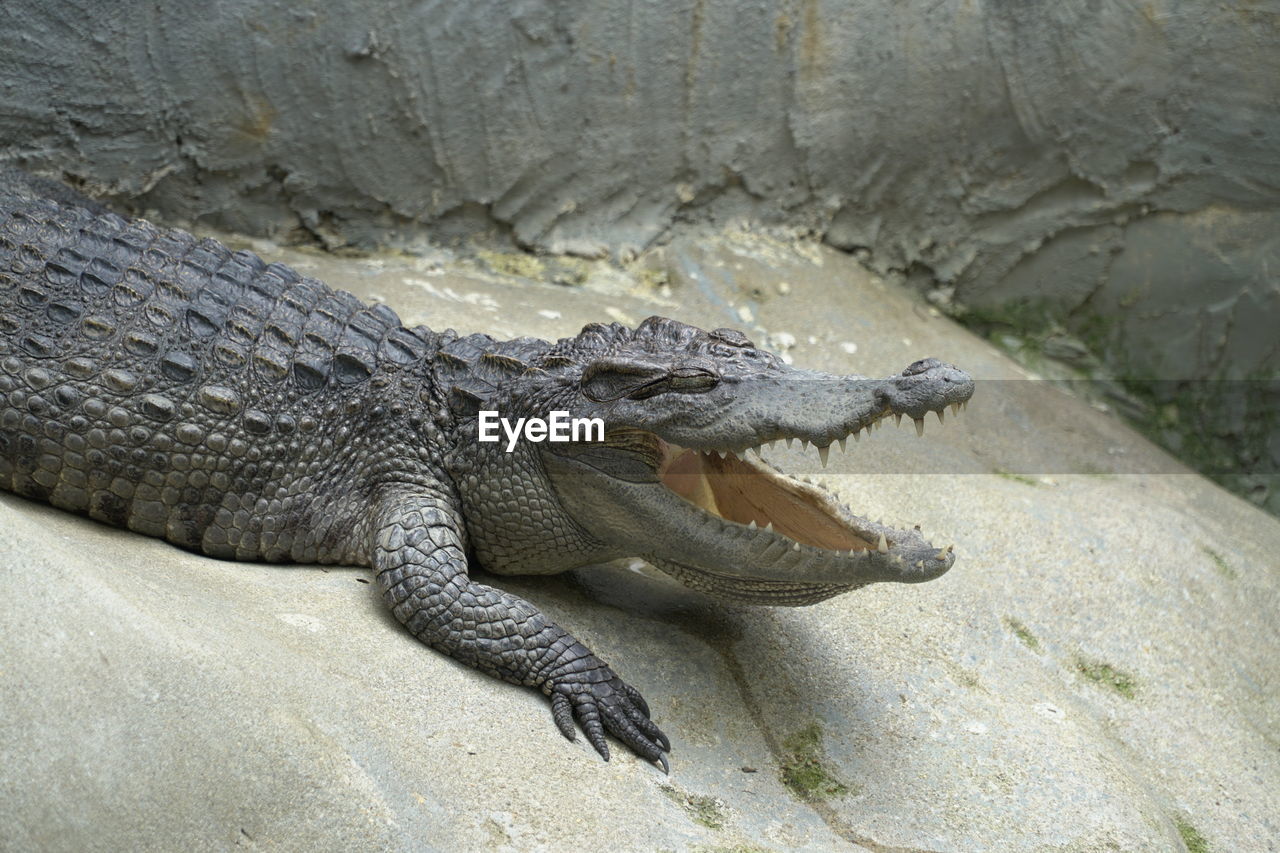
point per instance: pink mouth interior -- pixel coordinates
(739, 491)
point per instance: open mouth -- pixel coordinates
(759, 496)
(749, 492)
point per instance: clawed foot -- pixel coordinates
(600, 702)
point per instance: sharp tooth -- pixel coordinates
(897, 419)
(823, 452)
(804, 445)
(790, 441)
(751, 525)
(955, 409)
(756, 451)
(919, 426)
(879, 423)
(939, 414)
(769, 526)
(919, 564)
(883, 547)
(857, 435)
(841, 442)
(941, 555)
(795, 546)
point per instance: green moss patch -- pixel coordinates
(1223, 567)
(805, 771)
(1023, 633)
(1108, 676)
(1184, 417)
(1191, 836)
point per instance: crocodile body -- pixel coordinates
(166, 384)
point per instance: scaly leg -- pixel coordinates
(421, 568)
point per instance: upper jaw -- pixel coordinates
(816, 408)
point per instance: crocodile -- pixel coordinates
(166, 384)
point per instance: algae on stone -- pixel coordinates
(1223, 567)
(1191, 836)
(1108, 676)
(805, 770)
(1023, 633)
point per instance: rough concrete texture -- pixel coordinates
(1071, 153)
(1098, 672)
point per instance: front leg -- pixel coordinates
(421, 568)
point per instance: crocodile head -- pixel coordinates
(674, 479)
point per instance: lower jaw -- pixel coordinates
(746, 589)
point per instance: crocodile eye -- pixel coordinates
(613, 379)
(692, 380)
(682, 380)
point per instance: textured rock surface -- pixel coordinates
(1098, 671)
(966, 138)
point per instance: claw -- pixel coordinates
(634, 696)
(608, 706)
(562, 713)
(595, 736)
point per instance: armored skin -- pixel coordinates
(165, 384)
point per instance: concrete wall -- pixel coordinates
(1092, 154)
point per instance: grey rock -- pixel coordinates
(1097, 672)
